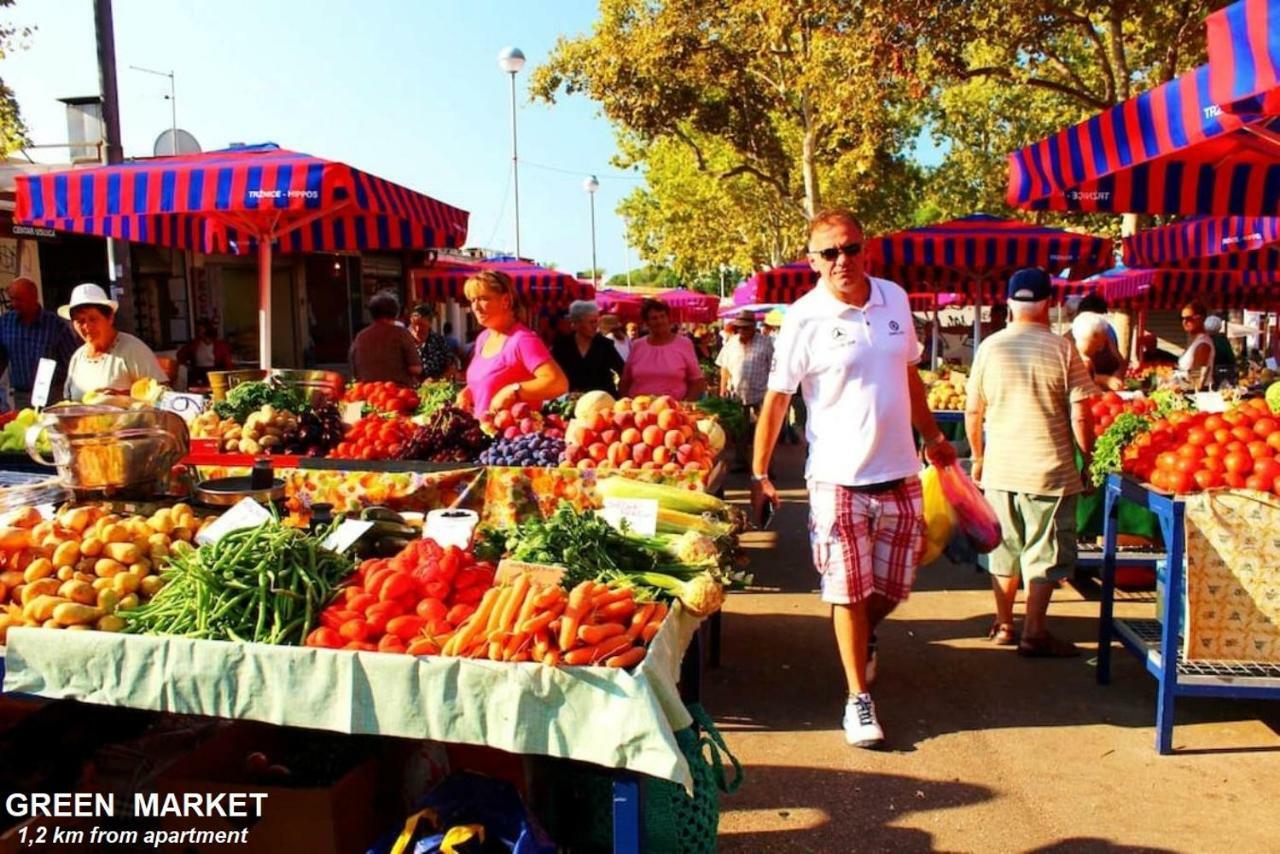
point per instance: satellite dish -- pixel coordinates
(164, 144)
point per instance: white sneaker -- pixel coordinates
(861, 729)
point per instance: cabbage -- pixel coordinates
(1273, 397)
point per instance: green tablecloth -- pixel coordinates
(601, 715)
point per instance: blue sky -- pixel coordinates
(407, 90)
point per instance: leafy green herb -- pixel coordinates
(1169, 400)
(1108, 451)
(252, 396)
(436, 395)
(731, 413)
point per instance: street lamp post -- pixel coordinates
(511, 60)
(626, 247)
(172, 98)
(591, 185)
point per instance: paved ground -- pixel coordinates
(987, 751)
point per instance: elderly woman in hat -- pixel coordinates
(588, 359)
(108, 360)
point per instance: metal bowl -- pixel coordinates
(220, 382)
(316, 386)
(228, 491)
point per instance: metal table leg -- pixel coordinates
(1169, 633)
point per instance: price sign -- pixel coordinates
(640, 514)
(185, 406)
(42, 383)
(245, 514)
(1272, 364)
(346, 535)
(1210, 401)
(352, 411)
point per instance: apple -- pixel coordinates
(631, 436)
(652, 435)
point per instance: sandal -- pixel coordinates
(1002, 634)
(1047, 646)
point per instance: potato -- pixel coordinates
(67, 554)
(66, 573)
(41, 530)
(41, 608)
(160, 539)
(91, 547)
(5, 622)
(75, 614)
(78, 591)
(36, 589)
(110, 623)
(101, 584)
(76, 519)
(161, 525)
(124, 584)
(249, 446)
(270, 440)
(107, 600)
(51, 623)
(39, 568)
(78, 627)
(87, 577)
(11, 578)
(183, 534)
(107, 568)
(139, 570)
(150, 586)
(115, 533)
(125, 553)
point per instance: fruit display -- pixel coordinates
(385, 397)
(375, 438)
(13, 436)
(1105, 408)
(425, 591)
(433, 395)
(318, 431)
(261, 432)
(452, 435)
(528, 449)
(521, 419)
(647, 433)
(86, 566)
(945, 389)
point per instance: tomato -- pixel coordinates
(1111, 398)
(1274, 441)
(1261, 484)
(1143, 440)
(1190, 452)
(1206, 479)
(1158, 480)
(1213, 449)
(1187, 465)
(1243, 434)
(1259, 449)
(1198, 436)
(1265, 426)
(1233, 480)
(1178, 482)
(1267, 467)
(1166, 461)
(1238, 463)
(1213, 464)
(1237, 446)
(1214, 422)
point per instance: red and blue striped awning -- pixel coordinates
(225, 201)
(690, 306)
(977, 254)
(1168, 151)
(1219, 289)
(533, 284)
(1117, 286)
(784, 284)
(1244, 57)
(1209, 243)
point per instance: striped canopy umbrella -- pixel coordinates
(241, 200)
(784, 284)
(1117, 285)
(1244, 57)
(534, 285)
(625, 306)
(1208, 243)
(1219, 289)
(1170, 150)
(690, 306)
(976, 255)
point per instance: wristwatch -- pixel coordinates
(759, 478)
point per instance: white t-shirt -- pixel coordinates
(1188, 355)
(128, 360)
(850, 365)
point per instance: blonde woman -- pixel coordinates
(509, 364)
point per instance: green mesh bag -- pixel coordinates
(576, 800)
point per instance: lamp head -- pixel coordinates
(511, 59)
(591, 184)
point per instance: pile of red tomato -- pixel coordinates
(1105, 408)
(1189, 452)
(383, 396)
(375, 438)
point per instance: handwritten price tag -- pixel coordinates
(41, 384)
(185, 406)
(247, 513)
(640, 514)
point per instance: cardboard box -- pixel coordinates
(320, 816)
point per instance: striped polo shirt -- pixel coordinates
(1028, 377)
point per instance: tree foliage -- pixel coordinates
(13, 130)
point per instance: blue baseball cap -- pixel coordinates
(1030, 284)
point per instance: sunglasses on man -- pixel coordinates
(849, 250)
(1187, 317)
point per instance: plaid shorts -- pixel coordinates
(866, 543)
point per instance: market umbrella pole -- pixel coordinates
(264, 302)
(936, 335)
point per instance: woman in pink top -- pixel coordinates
(662, 362)
(509, 363)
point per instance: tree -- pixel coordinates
(13, 130)
(589, 274)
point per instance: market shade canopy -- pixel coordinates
(1218, 289)
(976, 255)
(1117, 285)
(784, 284)
(1170, 150)
(1210, 243)
(237, 201)
(1244, 57)
(534, 285)
(690, 306)
(624, 305)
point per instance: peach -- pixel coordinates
(619, 452)
(610, 436)
(661, 455)
(624, 419)
(598, 451)
(663, 404)
(623, 405)
(652, 435)
(673, 439)
(644, 419)
(628, 465)
(671, 468)
(586, 463)
(687, 431)
(693, 467)
(641, 402)
(573, 435)
(668, 418)
(520, 410)
(631, 436)
(649, 466)
(641, 453)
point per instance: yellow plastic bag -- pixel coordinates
(938, 516)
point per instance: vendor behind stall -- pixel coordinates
(206, 353)
(109, 360)
(509, 364)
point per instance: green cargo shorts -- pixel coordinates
(1038, 536)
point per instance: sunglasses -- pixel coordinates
(1187, 317)
(849, 250)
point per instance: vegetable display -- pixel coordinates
(383, 397)
(1108, 450)
(266, 584)
(434, 395)
(247, 397)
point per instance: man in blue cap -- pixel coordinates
(1028, 398)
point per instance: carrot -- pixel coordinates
(650, 630)
(423, 646)
(630, 658)
(468, 630)
(537, 623)
(660, 612)
(541, 643)
(576, 610)
(495, 614)
(617, 611)
(640, 619)
(592, 635)
(528, 608)
(520, 656)
(612, 646)
(495, 650)
(552, 658)
(519, 592)
(548, 597)
(608, 596)
(581, 655)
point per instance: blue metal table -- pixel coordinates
(1157, 643)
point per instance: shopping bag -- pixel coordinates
(939, 522)
(973, 514)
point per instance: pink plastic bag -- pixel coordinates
(973, 514)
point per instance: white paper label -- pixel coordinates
(247, 513)
(345, 536)
(43, 382)
(185, 406)
(352, 411)
(640, 514)
(1210, 401)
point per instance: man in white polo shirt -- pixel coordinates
(850, 347)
